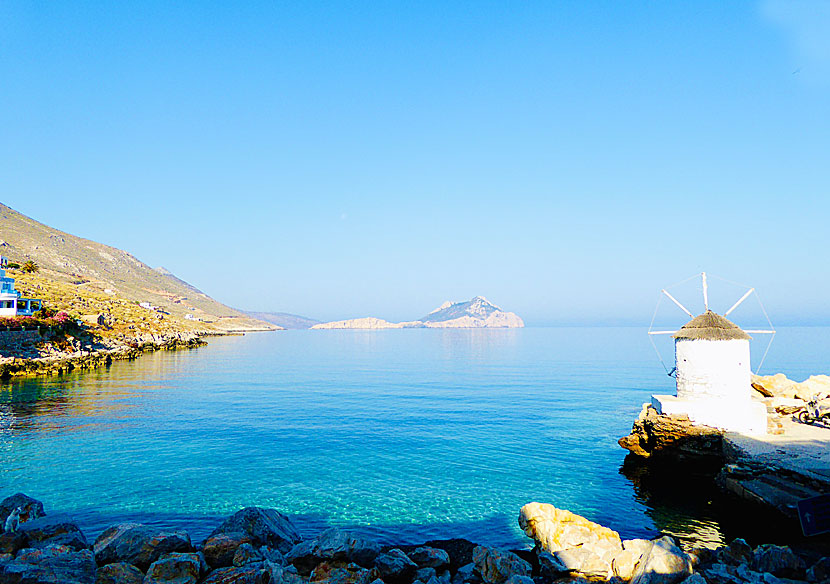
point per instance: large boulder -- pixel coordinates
(663, 563)
(138, 544)
(395, 567)
(459, 551)
(50, 565)
(175, 568)
(778, 560)
(558, 529)
(820, 571)
(220, 549)
(255, 573)
(430, 557)
(119, 573)
(674, 437)
(264, 527)
(53, 530)
(497, 566)
(584, 561)
(815, 386)
(736, 553)
(24, 508)
(333, 545)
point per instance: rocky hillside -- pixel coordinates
(475, 313)
(284, 319)
(82, 276)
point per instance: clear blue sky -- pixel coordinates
(343, 159)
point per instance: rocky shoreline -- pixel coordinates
(262, 546)
(79, 358)
(790, 463)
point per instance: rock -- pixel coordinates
(333, 545)
(50, 565)
(460, 551)
(10, 542)
(272, 555)
(584, 562)
(624, 563)
(820, 571)
(429, 557)
(245, 554)
(264, 527)
(515, 579)
(175, 568)
(496, 566)
(550, 566)
(816, 386)
(395, 567)
(336, 573)
(138, 544)
(736, 553)
(29, 509)
(220, 549)
(663, 563)
(557, 529)
(119, 573)
(466, 573)
(53, 531)
(775, 385)
(257, 573)
(6, 558)
(424, 574)
(777, 560)
(654, 434)
(694, 579)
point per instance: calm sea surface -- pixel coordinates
(407, 435)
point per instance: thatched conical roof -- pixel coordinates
(710, 327)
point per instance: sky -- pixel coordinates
(567, 160)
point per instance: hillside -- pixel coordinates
(83, 276)
(284, 319)
(475, 313)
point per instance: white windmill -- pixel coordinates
(712, 370)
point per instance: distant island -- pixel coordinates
(475, 313)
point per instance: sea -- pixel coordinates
(404, 435)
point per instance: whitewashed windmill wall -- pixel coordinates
(712, 365)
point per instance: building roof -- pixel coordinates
(710, 327)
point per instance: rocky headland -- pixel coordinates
(775, 471)
(475, 313)
(262, 546)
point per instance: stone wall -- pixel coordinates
(13, 342)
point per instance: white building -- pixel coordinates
(11, 303)
(714, 377)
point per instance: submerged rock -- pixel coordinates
(119, 573)
(497, 566)
(138, 544)
(263, 526)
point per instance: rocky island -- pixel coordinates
(475, 313)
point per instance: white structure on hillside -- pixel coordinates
(714, 383)
(11, 303)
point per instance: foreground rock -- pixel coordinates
(262, 527)
(50, 565)
(138, 544)
(17, 509)
(497, 566)
(119, 573)
(333, 545)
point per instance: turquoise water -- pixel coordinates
(407, 435)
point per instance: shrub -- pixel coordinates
(30, 267)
